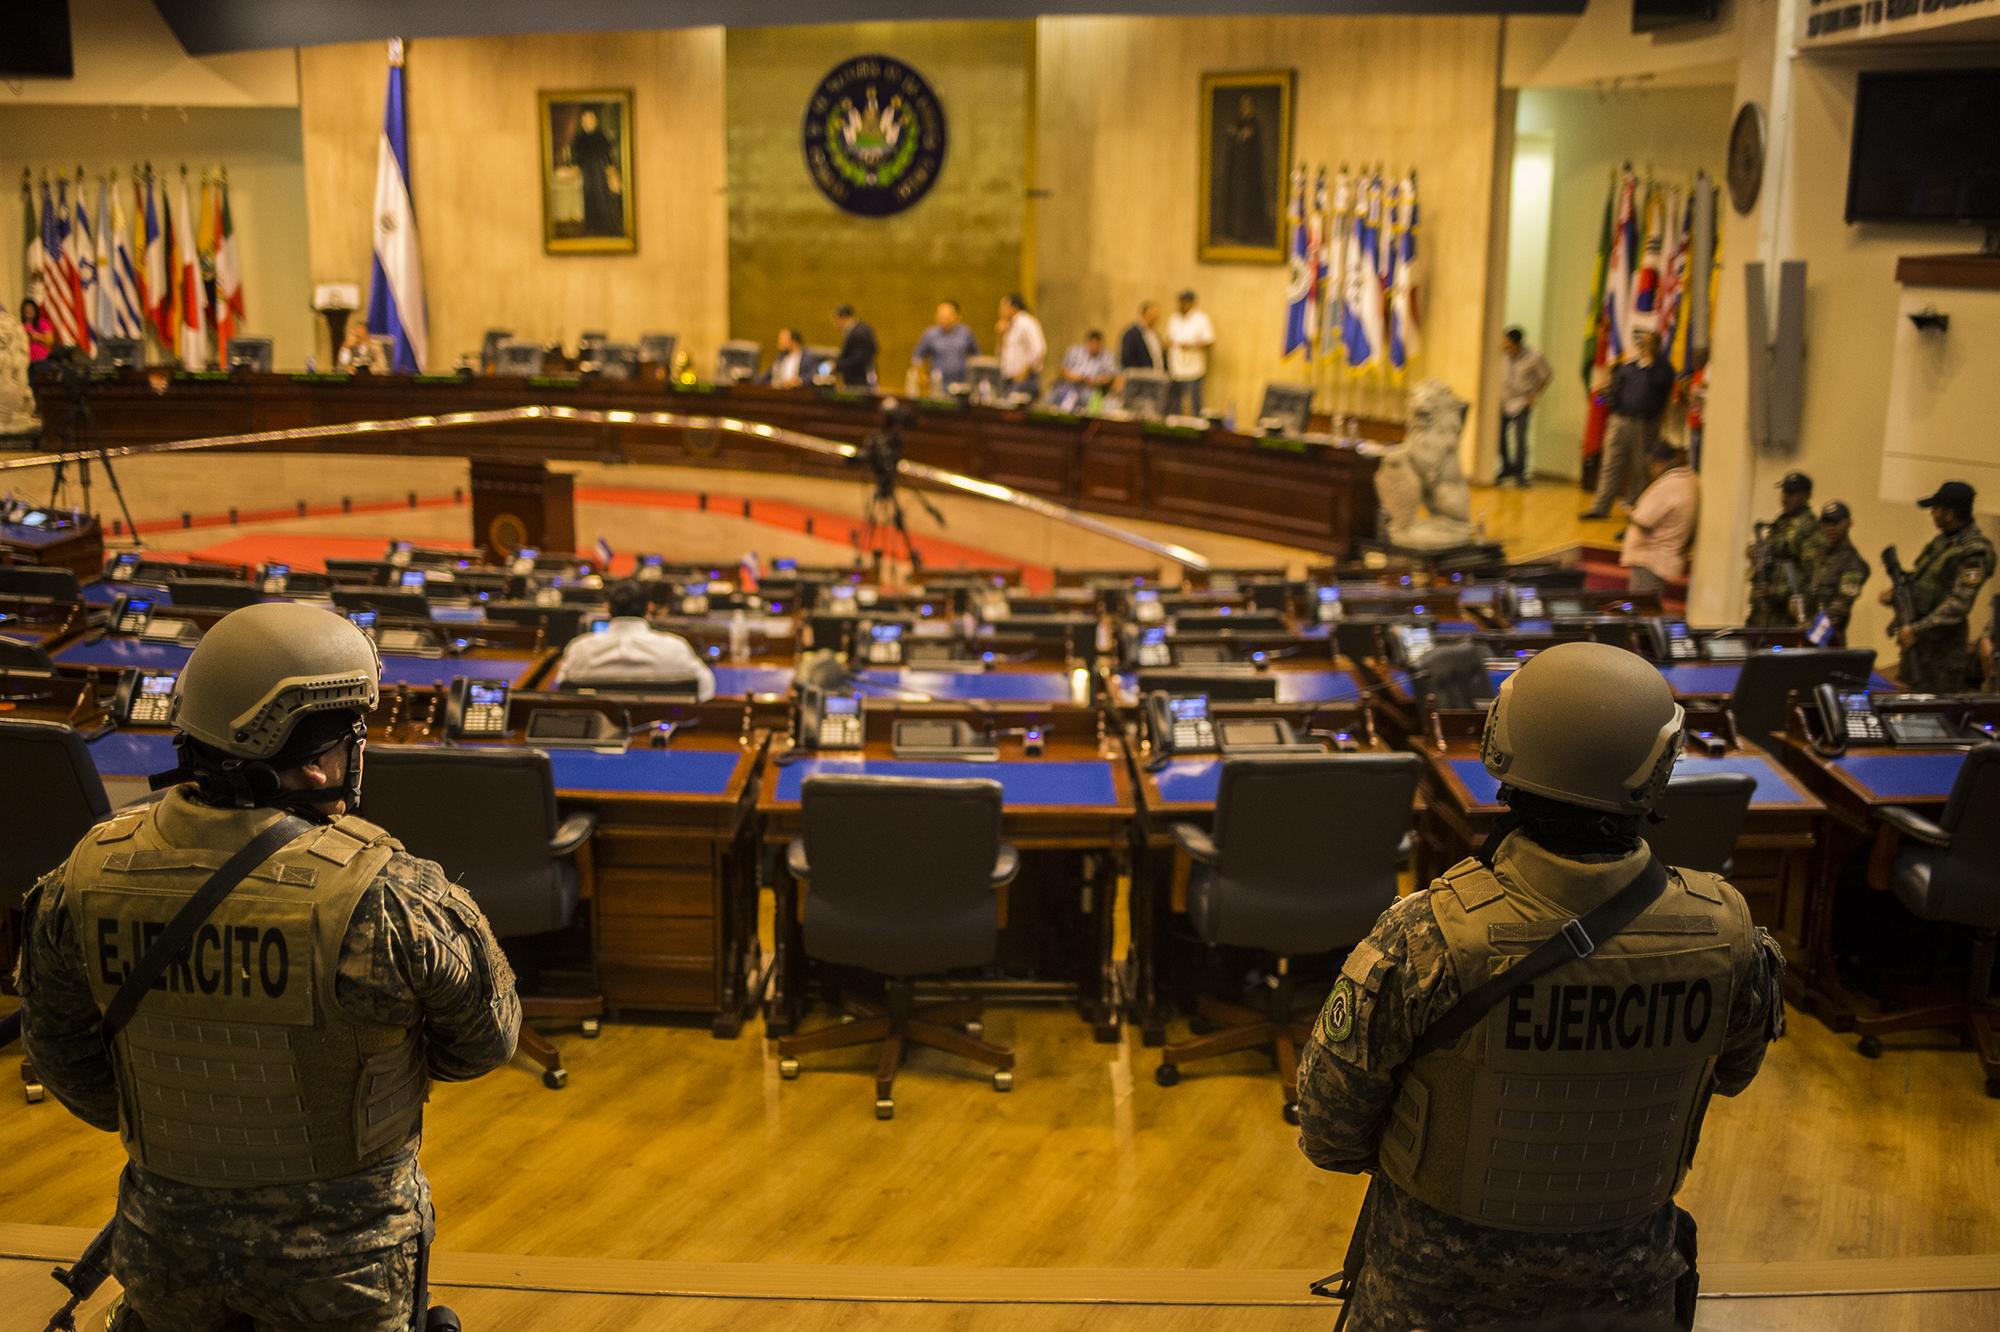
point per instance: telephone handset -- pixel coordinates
(1526, 602)
(885, 645)
(1154, 650)
(1146, 607)
(1180, 723)
(132, 614)
(144, 698)
(1327, 604)
(476, 709)
(1409, 644)
(831, 720)
(1844, 718)
(1670, 640)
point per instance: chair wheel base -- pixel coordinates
(1291, 1113)
(788, 1069)
(34, 1092)
(885, 1108)
(592, 1029)
(1870, 1047)
(441, 1319)
(556, 1079)
(1003, 1080)
(1167, 1074)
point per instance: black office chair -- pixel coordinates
(1302, 862)
(16, 655)
(903, 879)
(489, 817)
(1453, 675)
(1700, 818)
(37, 580)
(55, 797)
(1950, 871)
(558, 624)
(217, 593)
(1768, 679)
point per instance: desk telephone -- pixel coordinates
(274, 579)
(831, 720)
(1852, 718)
(1328, 608)
(144, 698)
(136, 615)
(1154, 650)
(132, 614)
(1670, 640)
(1181, 724)
(694, 599)
(124, 566)
(476, 709)
(1146, 607)
(1409, 644)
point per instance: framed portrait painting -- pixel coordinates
(1246, 140)
(587, 185)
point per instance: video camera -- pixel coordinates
(883, 449)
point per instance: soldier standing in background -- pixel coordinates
(1611, 1054)
(338, 978)
(1944, 585)
(1778, 560)
(1834, 574)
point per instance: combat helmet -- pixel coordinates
(1585, 723)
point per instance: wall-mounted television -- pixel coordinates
(34, 41)
(1655, 15)
(1926, 147)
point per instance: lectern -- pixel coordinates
(516, 504)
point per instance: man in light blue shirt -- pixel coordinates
(1087, 370)
(945, 347)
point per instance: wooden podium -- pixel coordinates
(517, 504)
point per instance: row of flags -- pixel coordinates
(1353, 291)
(396, 308)
(1658, 262)
(171, 269)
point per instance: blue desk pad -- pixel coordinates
(1189, 779)
(742, 681)
(1293, 686)
(136, 654)
(892, 682)
(132, 753)
(1084, 782)
(1772, 788)
(700, 772)
(1906, 774)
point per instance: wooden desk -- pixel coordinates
(43, 624)
(78, 545)
(1076, 799)
(1776, 861)
(1317, 496)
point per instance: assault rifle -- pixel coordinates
(1769, 567)
(1902, 588)
(82, 1278)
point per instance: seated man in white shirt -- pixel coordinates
(631, 649)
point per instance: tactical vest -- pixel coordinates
(238, 1069)
(1575, 1103)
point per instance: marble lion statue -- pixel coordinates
(17, 404)
(1421, 486)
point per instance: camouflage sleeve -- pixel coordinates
(1392, 986)
(1967, 579)
(59, 1016)
(1756, 1018)
(420, 953)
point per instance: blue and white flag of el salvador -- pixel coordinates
(1298, 281)
(396, 293)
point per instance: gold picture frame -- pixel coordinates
(1246, 149)
(589, 194)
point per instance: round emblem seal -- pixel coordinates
(1340, 1011)
(874, 136)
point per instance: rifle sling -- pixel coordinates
(197, 909)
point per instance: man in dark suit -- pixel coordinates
(1140, 347)
(856, 363)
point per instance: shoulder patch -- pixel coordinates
(1708, 887)
(120, 828)
(336, 844)
(1336, 1020)
(1476, 887)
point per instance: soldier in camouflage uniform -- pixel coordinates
(1944, 584)
(1835, 572)
(1477, 1216)
(1786, 544)
(342, 974)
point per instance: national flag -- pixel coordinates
(71, 270)
(396, 288)
(1339, 227)
(204, 249)
(1405, 325)
(1298, 282)
(749, 572)
(1362, 330)
(124, 307)
(1646, 281)
(55, 286)
(1618, 273)
(1594, 341)
(31, 237)
(1673, 277)
(189, 297)
(159, 286)
(101, 313)
(1316, 264)
(604, 553)
(228, 275)
(80, 247)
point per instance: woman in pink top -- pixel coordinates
(41, 333)
(1660, 529)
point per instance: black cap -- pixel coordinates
(1951, 495)
(1834, 512)
(1795, 482)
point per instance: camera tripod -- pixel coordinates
(75, 439)
(884, 513)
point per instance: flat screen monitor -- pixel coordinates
(1146, 394)
(519, 358)
(736, 361)
(983, 379)
(1287, 407)
(118, 353)
(657, 348)
(1926, 147)
(252, 354)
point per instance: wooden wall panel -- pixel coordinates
(1117, 140)
(475, 150)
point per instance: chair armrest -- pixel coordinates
(1197, 843)
(1005, 866)
(574, 832)
(1913, 825)
(795, 860)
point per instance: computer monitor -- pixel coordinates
(816, 365)
(251, 354)
(1767, 678)
(657, 349)
(119, 353)
(1147, 393)
(519, 358)
(617, 360)
(736, 361)
(588, 345)
(983, 380)
(489, 349)
(1287, 407)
